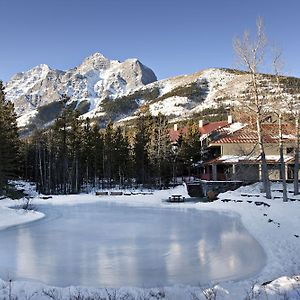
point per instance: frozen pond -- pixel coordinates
(110, 245)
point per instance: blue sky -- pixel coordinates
(170, 36)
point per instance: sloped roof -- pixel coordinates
(235, 159)
(247, 135)
(213, 126)
(206, 129)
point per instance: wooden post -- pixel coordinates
(214, 172)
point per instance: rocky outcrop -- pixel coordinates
(95, 79)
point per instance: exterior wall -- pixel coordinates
(251, 172)
(204, 188)
(245, 149)
(247, 173)
(274, 172)
(236, 149)
(290, 172)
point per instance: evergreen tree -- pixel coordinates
(88, 148)
(176, 159)
(159, 149)
(109, 152)
(121, 156)
(140, 151)
(98, 154)
(190, 150)
(9, 141)
(74, 140)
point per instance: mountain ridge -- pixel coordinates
(105, 89)
(94, 79)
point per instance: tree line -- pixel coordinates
(74, 154)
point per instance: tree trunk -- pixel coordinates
(265, 174)
(296, 168)
(41, 168)
(49, 171)
(76, 176)
(282, 163)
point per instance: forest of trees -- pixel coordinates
(75, 154)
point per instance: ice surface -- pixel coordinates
(113, 245)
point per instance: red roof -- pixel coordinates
(213, 126)
(247, 135)
(205, 129)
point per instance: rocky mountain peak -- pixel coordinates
(96, 79)
(42, 67)
(37, 72)
(105, 89)
(96, 61)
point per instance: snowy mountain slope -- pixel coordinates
(95, 79)
(111, 90)
(184, 96)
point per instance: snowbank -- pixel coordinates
(11, 212)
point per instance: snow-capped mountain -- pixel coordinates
(106, 89)
(186, 96)
(95, 79)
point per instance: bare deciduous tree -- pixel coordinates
(250, 53)
(277, 66)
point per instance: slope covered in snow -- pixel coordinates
(111, 90)
(188, 95)
(86, 85)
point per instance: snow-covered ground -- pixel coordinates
(275, 224)
(10, 216)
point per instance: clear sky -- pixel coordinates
(170, 36)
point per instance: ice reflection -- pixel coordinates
(25, 259)
(202, 252)
(112, 245)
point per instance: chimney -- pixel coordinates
(201, 123)
(175, 127)
(230, 121)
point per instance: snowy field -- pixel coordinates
(274, 224)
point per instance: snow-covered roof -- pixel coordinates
(233, 159)
(204, 131)
(239, 133)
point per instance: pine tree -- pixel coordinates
(9, 141)
(74, 140)
(159, 150)
(88, 151)
(61, 146)
(190, 150)
(121, 154)
(140, 151)
(108, 152)
(97, 155)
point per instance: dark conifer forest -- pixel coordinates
(75, 155)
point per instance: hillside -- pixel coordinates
(38, 93)
(105, 90)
